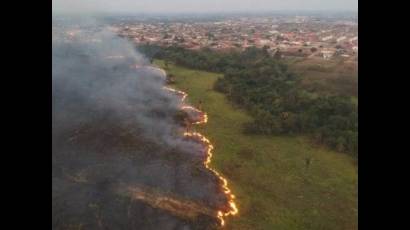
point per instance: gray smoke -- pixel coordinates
(113, 125)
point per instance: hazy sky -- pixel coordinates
(176, 6)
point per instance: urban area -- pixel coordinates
(295, 36)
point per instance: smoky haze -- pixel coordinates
(115, 127)
(202, 6)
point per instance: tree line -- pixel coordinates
(264, 86)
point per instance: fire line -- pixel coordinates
(233, 210)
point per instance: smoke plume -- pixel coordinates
(114, 127)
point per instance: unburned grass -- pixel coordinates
(268, 174)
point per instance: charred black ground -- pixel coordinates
(114, 128)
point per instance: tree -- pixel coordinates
(264, 85)
(278, 54)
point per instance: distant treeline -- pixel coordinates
(272, 94)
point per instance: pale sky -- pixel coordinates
(202, 6)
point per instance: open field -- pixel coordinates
(274, 189)
(327, 76)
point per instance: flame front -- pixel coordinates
(233, 210)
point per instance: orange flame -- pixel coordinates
(183, 94)
(233, 210)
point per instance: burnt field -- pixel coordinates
(119, 159)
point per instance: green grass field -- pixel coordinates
(268, 175)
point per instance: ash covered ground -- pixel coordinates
(113, 128)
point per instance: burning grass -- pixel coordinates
(202, 118)
(113, 128)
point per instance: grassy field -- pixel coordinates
(268, 175)
(326, 76)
